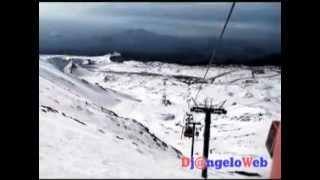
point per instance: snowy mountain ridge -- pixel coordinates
(104, 119)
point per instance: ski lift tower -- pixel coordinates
(165, 101)
(208, 111)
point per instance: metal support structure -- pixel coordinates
(208, 111)
(193, 129)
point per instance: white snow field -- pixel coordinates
(103, 119)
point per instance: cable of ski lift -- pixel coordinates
(214, 52)
(213, 55)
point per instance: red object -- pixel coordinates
(276, 162)
(274, 147)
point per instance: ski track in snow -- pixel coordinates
(106, 120)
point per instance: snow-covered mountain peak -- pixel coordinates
(105, 119)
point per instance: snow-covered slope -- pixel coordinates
(81, 138)
(107, 119)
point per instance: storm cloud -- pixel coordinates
(256, 26)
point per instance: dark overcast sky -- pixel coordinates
(255, 22)
(259, 20)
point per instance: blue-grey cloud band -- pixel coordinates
(252, 25)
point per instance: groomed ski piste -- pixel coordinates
(104, 119)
